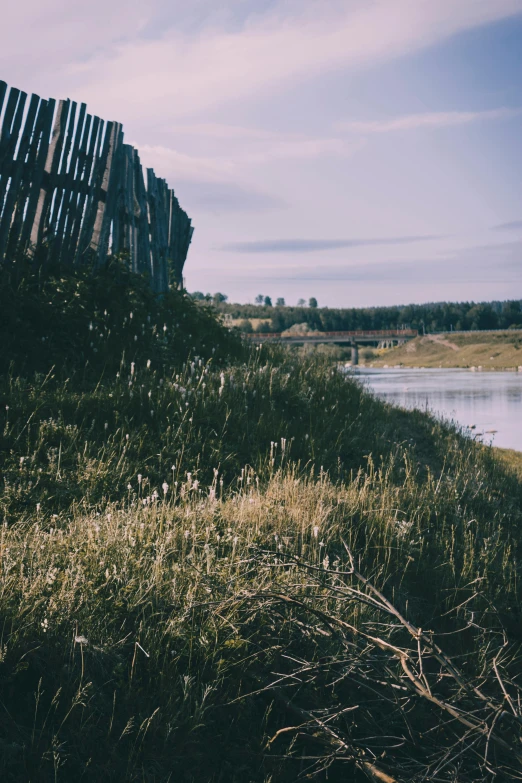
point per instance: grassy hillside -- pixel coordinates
(490, 350)
(247, 569)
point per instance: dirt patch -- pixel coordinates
(438, 338)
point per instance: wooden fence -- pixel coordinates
(70, 185)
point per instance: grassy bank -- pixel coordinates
(489, 350)
(220, 570)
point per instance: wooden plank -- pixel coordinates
(5, 136)
(16, 194)
(94, 184)
(173, 222)
(132, 209)
(110, 185)
(39, 168)
(164, 234)
(126, 208)
(28, 170)
(154, 250)
(69, 183)
(143, 230)
(38, 231)
(86, 156)
(3, 91)
(9, 140)
(55, 211)
(135, 208)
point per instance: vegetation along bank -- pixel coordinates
(487, 350)
(229, 563)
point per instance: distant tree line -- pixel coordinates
(430, 317)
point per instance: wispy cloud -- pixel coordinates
(248, 146)
(189, 67)
(223, 197)
(515, 225)
(426, 120)
(311, 245)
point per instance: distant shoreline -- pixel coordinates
(479, 351)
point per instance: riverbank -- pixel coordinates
(487, 350)
(218, 571)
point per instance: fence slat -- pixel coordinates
(39, 167)
(68, 184)
(94, 184)
(28, 169)
(39, 229)
(18, 167)
(109, 186)
(8, 143)
(3, 90)
(85, 164)
(69, 173)
(143, 228)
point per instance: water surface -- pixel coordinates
(488, 402)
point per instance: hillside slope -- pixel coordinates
(229, 564)
(490, 350)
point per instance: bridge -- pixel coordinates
(385, 338)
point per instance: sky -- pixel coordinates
(364, 152)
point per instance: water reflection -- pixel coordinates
(489, 402)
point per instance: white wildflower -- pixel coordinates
(81, 640)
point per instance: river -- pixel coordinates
(489, 403)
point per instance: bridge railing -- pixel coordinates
(70, 185)
(377, 333)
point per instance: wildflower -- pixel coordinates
(132, 368)
(154, 496)
(45, 625)
(81, 640)
(326, 563)
(127, 437)
(106, 426)
(165, 487)
(148, 364)
(140, 478)
(195, 485)
(129, 487)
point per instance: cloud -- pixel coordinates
(427, 120)
(219, 197)
(312, 245)
(176, 164)
(211, 58)
(496, 263)
(515, 225)
(248, 146)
